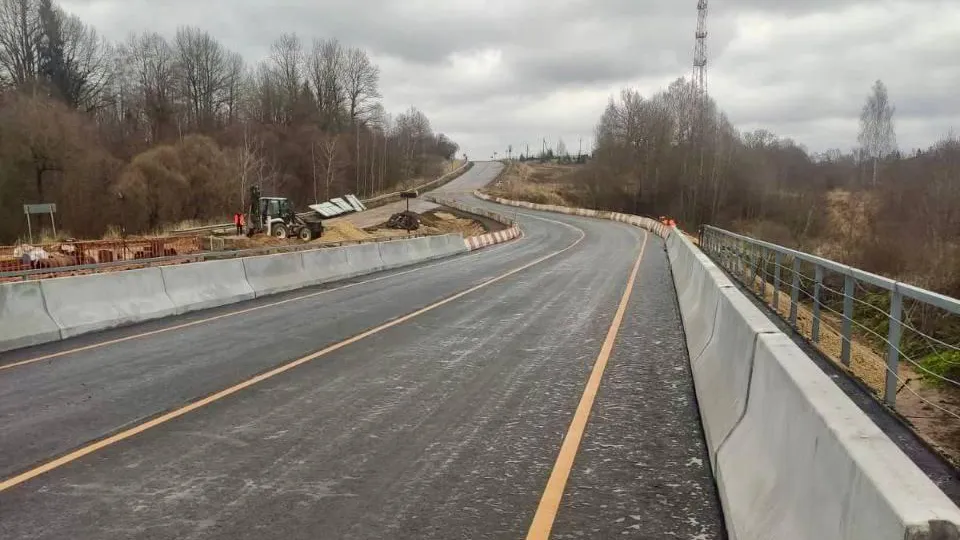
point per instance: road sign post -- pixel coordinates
(48, 208)
(407, 195)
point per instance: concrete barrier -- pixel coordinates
(272, 274)
(806, 463)
(698, 284)
(721, 371)
(24, 317)
(326, 265)
(365, 258)
(84, 304)
(204, 285)
(446, 245)
(38, 312)
(395, 253)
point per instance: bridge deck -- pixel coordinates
(446, 424)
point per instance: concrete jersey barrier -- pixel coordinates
(24, 316)
(83, 304)
(327, 265)
(205, 285)
(365, 258)
(38, 312)
(794, 458)
(806, 463)
(271, 274)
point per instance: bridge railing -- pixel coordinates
(853, 316)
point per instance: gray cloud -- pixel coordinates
(498, 72)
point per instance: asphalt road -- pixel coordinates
(444, 425)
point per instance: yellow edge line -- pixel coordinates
(126, 434)
(223, 316)
(546, 512)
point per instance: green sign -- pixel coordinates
(48, 208)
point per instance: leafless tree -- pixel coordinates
(287, 57)
(362, 83)
(153, 67)
(877, 135)
(87, 64)
(20, 34)
(234, 86)
(327, 67)
(330, 156)
(203, 75)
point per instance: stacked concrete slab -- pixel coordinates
(32, 313)
(793, 457)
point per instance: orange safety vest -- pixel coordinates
(243, 220)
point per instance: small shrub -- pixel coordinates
(945, 364)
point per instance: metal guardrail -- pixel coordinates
(396, 194)
(760, 264)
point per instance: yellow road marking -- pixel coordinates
(550, 501)
(126, 434)
(218, 317)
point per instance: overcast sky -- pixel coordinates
(497, 72)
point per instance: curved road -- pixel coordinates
(428, 402)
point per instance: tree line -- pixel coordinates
(874, 206)
(159, 129)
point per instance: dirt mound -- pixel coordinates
(343, 231)
(438, 222)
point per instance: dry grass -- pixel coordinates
(940, 429)
(536, 183)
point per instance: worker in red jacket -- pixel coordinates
(238, 222)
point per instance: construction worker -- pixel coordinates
(238, 222)
(243, 223)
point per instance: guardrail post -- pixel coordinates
(815, 333)
(763, 274)
(795, 293)
(777, 261)
(849, 285)
(893, 346)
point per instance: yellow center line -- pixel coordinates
(166, 417)
(198, 322)
(550, 501)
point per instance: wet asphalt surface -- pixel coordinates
(446, 425)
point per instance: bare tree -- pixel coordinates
(234, 86)
(265, 95)
(153, 65)
(327, 67)
(362, 83)
(74, 60)
(877, 135)
(330, 156)
(20, 34)
(203, 74)
(286, 55)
